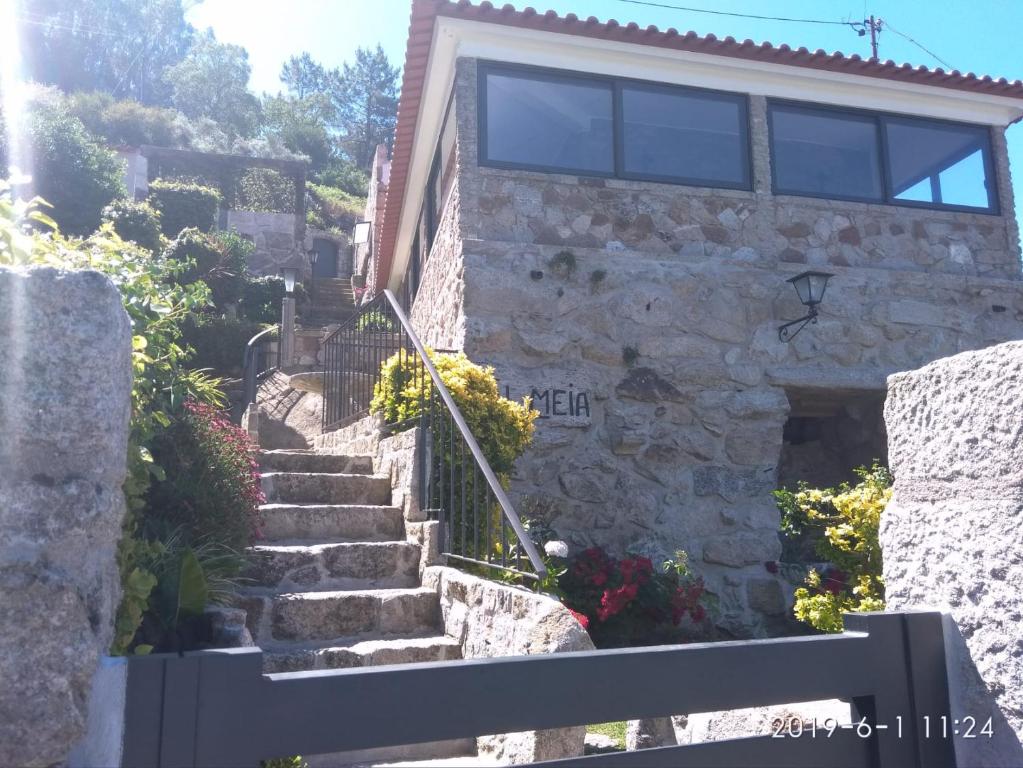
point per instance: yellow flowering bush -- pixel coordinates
(502, 427)
(849, 517)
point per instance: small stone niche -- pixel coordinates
(829, 433)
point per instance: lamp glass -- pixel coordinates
(360, 235)
(289, 274)
(810, 287)
(313, 256)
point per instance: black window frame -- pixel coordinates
(616, 86)
(880, 120)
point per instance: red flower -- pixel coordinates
(771, 566)
(581, 618)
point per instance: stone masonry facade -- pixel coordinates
(642, 320)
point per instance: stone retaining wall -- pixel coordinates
(489, 620)
(65, 404)
(952, 535)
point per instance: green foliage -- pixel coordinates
(502, 427)
(136, 222)
(849, 518)
(219, 342)
(365, 98)
(128, 122)
(70, 170)
(261, 299)
(264, 189)
(212, 82)
(345, 176)
(333, 208)
(301, 125)
(218, 260)
(375, 321)
(284, 762)
(209, 488)
(183, 205)
(122, 48)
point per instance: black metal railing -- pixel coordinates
(456, 484)
(262, 357)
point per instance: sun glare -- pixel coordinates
(13, 96)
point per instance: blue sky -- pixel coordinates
(981, 36)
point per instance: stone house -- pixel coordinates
(609, 216)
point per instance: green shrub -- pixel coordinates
(207, 258)
(332, 208)
(626, 602)
(849, 518)
(183, 205)
(345, 176)
(261, 299)
(219, 342)
(502, 427)
(137, 222)
(264, 189)
(128, 122)
(375, 321)
(70, 170)
(210, 488)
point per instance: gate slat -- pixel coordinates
(844, 749)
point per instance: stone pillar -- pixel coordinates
(287, 341)
(952, 536)
(65, 384)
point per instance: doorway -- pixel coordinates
(326, 258)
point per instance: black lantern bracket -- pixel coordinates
(810, 287)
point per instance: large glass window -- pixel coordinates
(939, 163)
(836, 154)
(676, 133)
(825, 153)
(553, 122)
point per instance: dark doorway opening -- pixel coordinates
(829, 433)
(326, 258)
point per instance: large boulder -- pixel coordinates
(65, 385)
(952, 535)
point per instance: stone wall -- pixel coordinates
(489, 620)
(273, 234)
(642, 320)
(64, 410)
(952, 535)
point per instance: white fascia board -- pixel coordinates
(473, 39)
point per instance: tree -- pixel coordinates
(122, 47)
(70, 170)
(300, 124)
(304, 77)
(213, 82)
(365, 97)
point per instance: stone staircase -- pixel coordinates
(332, 301)
(334, 583)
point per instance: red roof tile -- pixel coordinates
(425, 13)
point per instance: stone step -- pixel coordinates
(337, 615)
(311, 461)
(326, 488)
(299, 657)
(361, 565)
(331, 522)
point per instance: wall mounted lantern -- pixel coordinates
(810, 287)
(289, 274)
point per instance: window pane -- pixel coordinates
(825, 153)
(684, 135)
(938, 163)
(553, 124)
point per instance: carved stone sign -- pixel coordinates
(563, 404)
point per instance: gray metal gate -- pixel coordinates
(217, 708)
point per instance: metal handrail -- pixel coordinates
(251, 366)
(346, 397)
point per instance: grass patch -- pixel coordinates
(614, 730)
